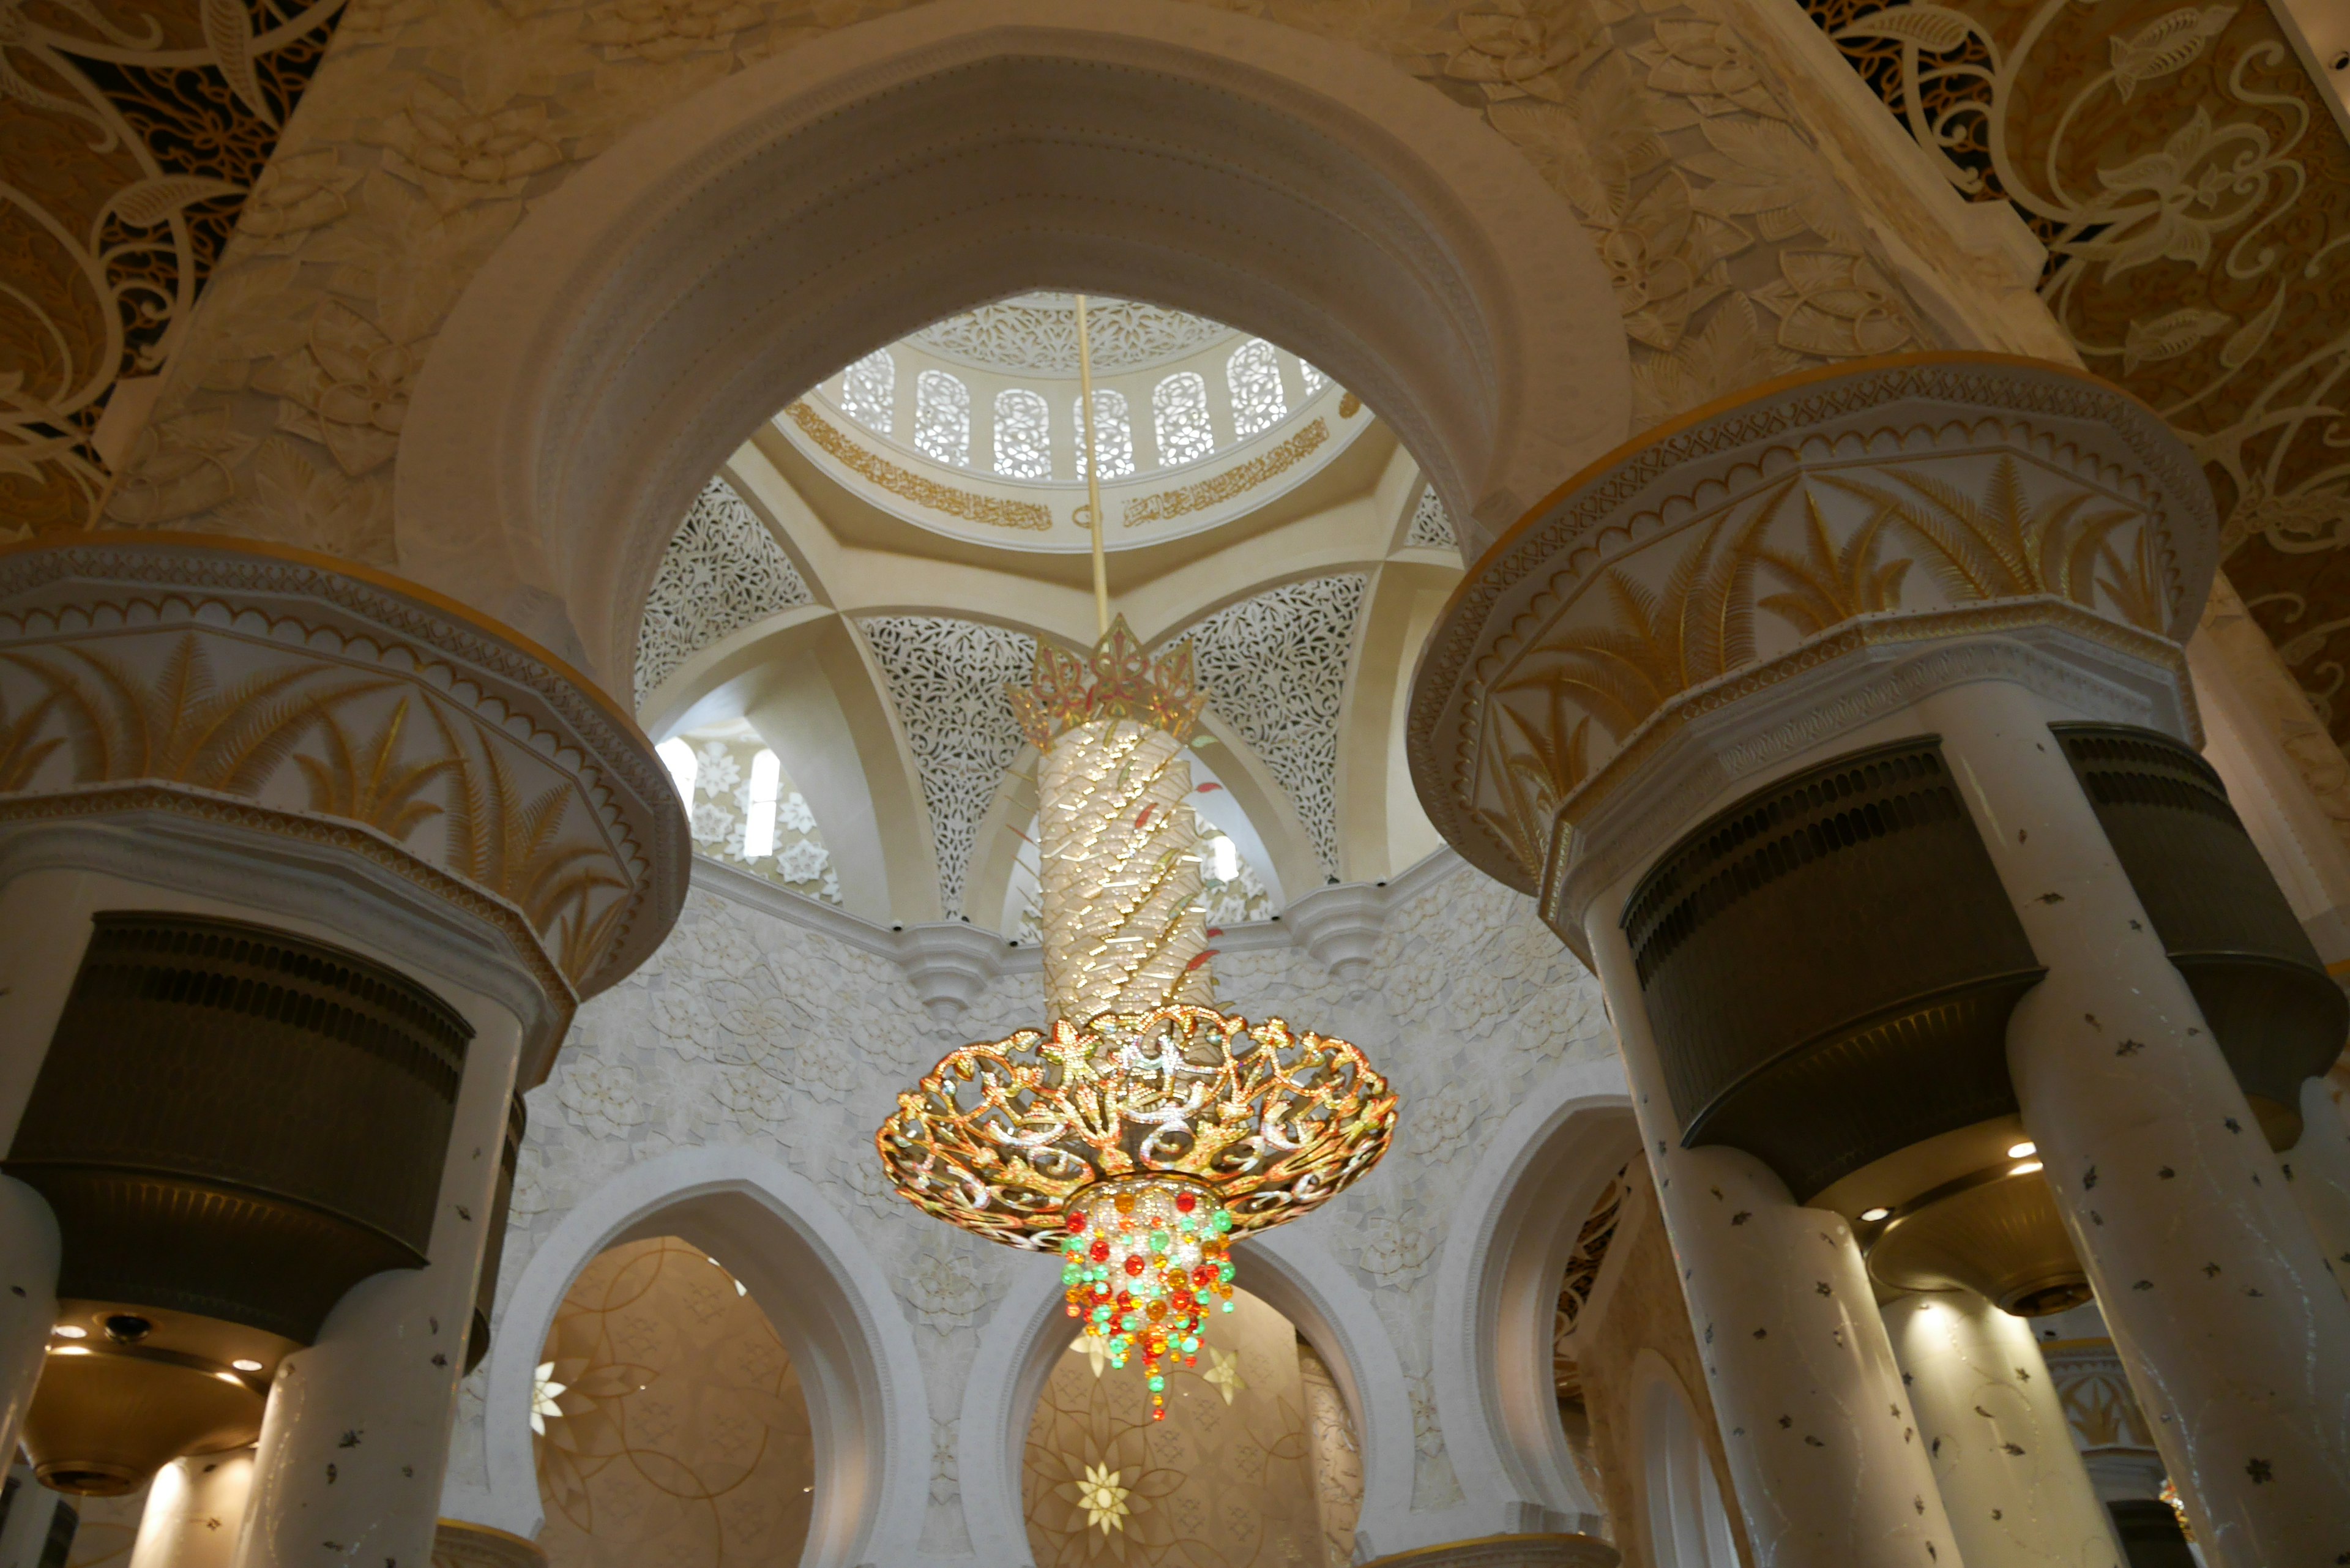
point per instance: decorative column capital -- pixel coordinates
(240, 689)
(1785, 559)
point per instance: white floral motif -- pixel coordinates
(947, 679)
(1276, 667)
(601, 1098)
(724, 570)
(941, 1286)
(1438, 1126)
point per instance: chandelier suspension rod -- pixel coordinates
(1092, 469)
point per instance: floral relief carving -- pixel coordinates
(347, 390)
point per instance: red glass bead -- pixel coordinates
(1099, 1252)
(1134, 1263)
(1076, 1223)
(1186, 1202)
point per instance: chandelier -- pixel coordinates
(1142, 1130)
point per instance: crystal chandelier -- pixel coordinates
(1142, 1129)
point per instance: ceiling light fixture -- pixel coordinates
(243, 1366)
(70, 1331)
(1142, 1129)
(2024, 1150)
(1873, 1215)
(2026, 1168)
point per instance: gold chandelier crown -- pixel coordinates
(1004, 1138)
(1118, 680)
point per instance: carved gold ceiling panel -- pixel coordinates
(132, 134)
(2193, 190)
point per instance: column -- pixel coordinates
(1824, 1448)
(196, 1512)
(2017, 1493)
(356, 1434)
(2319, 1166)
(2235, 1336)
(28, 1303)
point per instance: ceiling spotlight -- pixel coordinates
(69, 1350)
(1872, 1216)
(2026, 1168)
(70, 1331)
(230, 1377)
(2024, 1150)
(247, 1365)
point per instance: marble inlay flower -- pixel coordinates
(1223, 1374)
(1103, 1498)
(543, 1393)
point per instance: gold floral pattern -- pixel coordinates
(672, 1426)
(1227, 1481)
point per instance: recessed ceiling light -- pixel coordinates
(1873, 1215)
(2026, 1168)
(2024, 1150)
(247, 1365)
(69, 1350)
(230, 1377)
(68, 1331)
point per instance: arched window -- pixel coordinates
(869, 390)
(942, 418)
(683, 767)
(1311, 374)
(1254, 377)
(759, 823)
(1179, 414)
(1024, 447)
(1113, 432)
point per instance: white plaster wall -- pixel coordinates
(766, 1027)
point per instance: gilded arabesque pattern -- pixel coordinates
(2193, 190)
(131, 137)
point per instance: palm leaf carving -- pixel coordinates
(510, 845)
(1829, 583)
(21, 755)
(2000, 546)
(184, 727)
(370, 783)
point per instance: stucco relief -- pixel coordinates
(431, 131)
(752, 1030)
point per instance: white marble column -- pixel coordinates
(2236, 1337)
(356, 1433)
(28, 1301)
(2319, 1167)
(196, 1512)
(1824, 1449)
(2017, 1492)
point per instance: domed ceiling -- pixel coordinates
(825, 652)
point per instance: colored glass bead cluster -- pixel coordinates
(1144, 1260)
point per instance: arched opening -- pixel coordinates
(1327, 1329)
(789, 220)
(669, 1419)
(803, 1271)
(1257, 1460)
(1518, 1223)
(1687, 1525)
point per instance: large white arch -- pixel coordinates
(1288, 1269)
(1511, 1234)
(829, 1302)
(781, 223)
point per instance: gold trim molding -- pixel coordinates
(1549, 1551)
(1237, 479)
(996, 511)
